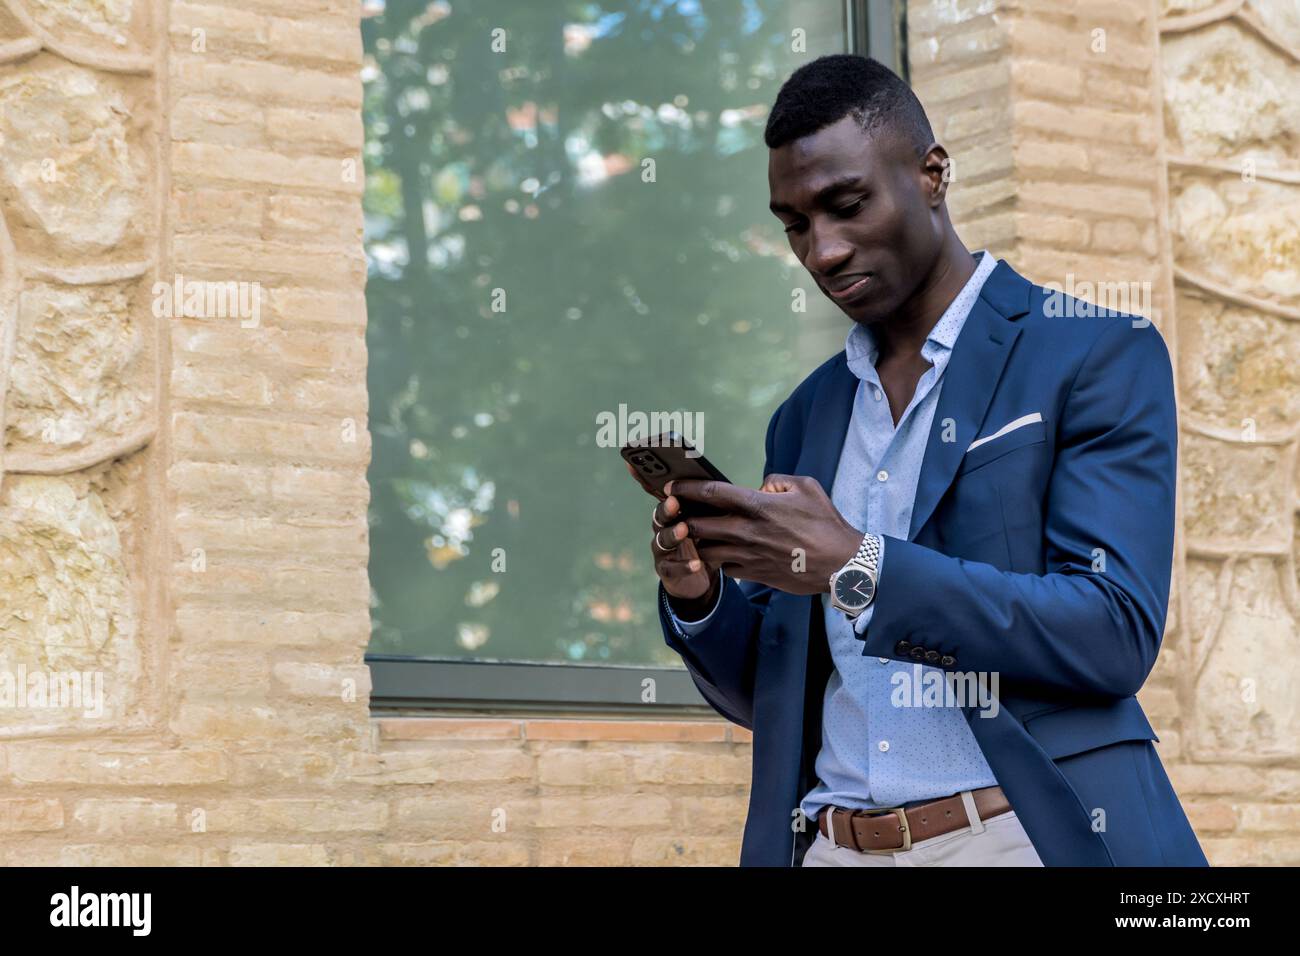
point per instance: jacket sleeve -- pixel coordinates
(1092, 625)
(721, 656)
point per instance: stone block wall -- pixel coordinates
(1231, 87)
(183, 508)
(182, 392)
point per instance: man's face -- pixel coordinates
(860, 213)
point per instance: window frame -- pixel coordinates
(454, 685)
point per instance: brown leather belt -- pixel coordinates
(897, 828)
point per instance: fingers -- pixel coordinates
(675, 558)
(723, 555)
(670, 536)
(673, 530)
(666, 512)
(720, 494)
(779, 483)
(727, 528)
(681, 569)
(673, 570)
(688, 554)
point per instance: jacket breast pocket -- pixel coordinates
(1031, 434)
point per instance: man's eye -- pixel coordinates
(844, 212)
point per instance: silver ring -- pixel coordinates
(655, 521)
(655, 539)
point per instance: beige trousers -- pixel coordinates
(997, 841)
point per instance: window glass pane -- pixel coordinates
(566, 214)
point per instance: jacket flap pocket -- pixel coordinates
(1072, 730)
(1029, 434)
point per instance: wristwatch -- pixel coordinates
(854, 585)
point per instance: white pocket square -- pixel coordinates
(1020, 422)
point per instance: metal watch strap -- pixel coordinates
(868, 553)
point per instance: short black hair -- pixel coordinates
(823, 92)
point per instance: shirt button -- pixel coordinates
(882, 475)
(883, 745)
(883, 660)
(875, 393)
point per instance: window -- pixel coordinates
(566, 222)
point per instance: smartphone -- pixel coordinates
(663, 459)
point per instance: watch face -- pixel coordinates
(854, 588)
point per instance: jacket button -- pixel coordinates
(917, 653)
(931, 656)
(947, 660)
(902, 647)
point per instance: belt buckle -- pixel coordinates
(907, 830)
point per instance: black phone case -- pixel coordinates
(663, 459)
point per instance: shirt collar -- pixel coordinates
(861, 348)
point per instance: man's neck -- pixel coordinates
(903, 334)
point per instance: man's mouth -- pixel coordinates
(852, 290)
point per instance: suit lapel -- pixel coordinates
(828, 424)
(972, 375)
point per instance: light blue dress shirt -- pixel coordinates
(875, 754)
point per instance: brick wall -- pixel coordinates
(184, 496)
(188, 515)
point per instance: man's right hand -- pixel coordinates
(691, 584)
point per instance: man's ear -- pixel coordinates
(937, 171)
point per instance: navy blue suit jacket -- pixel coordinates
(1043, 555)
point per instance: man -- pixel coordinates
(976, 497)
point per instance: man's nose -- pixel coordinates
(827, 251)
